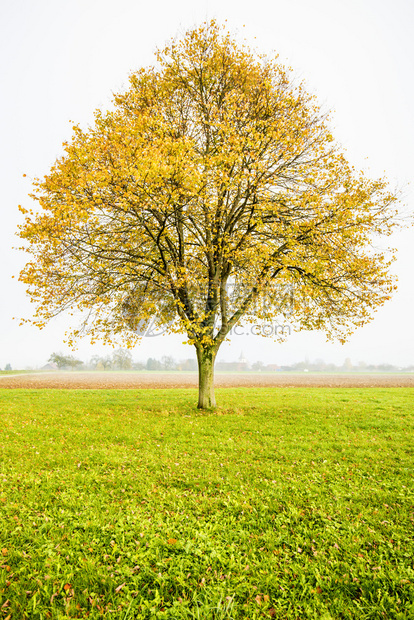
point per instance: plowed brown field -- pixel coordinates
(159, 380)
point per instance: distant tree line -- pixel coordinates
(321, 366)
(121, 359)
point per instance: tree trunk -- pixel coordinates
(206, 398)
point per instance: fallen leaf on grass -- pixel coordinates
(258, 599)
(119, 587)
(67, 587)
(4, 551)
(172, 541)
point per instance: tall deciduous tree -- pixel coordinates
(214, 183)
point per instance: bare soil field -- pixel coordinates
(160, 380)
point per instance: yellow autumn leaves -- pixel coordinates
(214, 167)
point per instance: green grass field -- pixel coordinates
(283, 503)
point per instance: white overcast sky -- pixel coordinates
(62, 59)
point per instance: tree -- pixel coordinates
(212, 191)
(168, 362)
(187, 365)
(258, 365)
(94, 362)
(74, 363)
(122, 359)
(106, 362)
(60, 360)
(138, 366)
(65, 361)
(153, 364)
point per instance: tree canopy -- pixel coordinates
(213, 190)
(65, 361)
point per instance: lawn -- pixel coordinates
(283, 503)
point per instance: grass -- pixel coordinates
(283, 503)
(16, 372)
